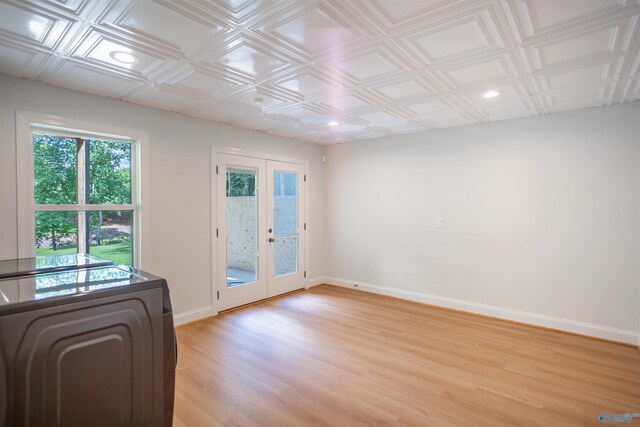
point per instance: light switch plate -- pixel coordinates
(440, 222)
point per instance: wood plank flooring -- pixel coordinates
(338, 357)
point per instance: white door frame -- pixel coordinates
(277, 285)
(257, 289)
(215, 151)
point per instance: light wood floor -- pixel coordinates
(338, 357)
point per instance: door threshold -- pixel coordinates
(229, 310)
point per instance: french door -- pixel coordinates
(260, 229)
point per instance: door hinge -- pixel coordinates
(305, 225)
(218, 294)
(305, 178)
(217, 232)
(305, 274)
(216, 169)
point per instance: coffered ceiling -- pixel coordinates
(374, 67)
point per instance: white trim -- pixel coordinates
(25, 122)
(194, 315)
(582, 328)
(213, 223)
(26, 213)
(217, 150)
(79, 207)
(257, 290)
(263, 156)
(84, 127)
(211, 311)
(315, 282)
(143, 219)
(278, 285)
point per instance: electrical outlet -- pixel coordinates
(440, 222)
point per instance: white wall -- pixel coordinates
(542, 218)
(541, 215)
(179, 153)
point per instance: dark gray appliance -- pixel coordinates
(86, 346)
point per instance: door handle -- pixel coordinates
(271, 240)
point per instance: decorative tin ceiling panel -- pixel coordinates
(373, 67)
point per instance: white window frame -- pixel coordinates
(26, 122)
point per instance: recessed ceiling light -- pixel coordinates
(333, 123)
(491, 94)
(36, 27)
(124, 57)
(258, 101)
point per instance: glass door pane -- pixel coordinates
(285, 230)
(242, 225)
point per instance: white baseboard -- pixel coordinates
(583, 328)
(193, 315)
(204, 312)
(315, 281)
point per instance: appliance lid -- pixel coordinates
(45, 264)
(69, 283)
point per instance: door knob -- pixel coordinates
(271, 240)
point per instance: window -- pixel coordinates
(83, 192)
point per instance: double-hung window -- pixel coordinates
(84, 193)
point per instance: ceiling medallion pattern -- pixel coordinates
(331, 71)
